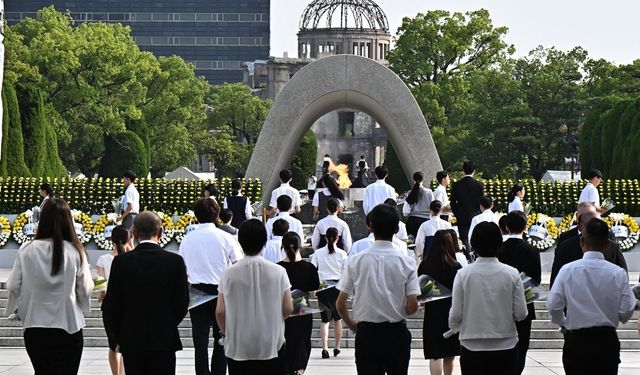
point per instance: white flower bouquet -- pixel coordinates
(431, 290)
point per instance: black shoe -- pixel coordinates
(336, 352)
(325, 354)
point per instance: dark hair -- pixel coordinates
(486, 201)
(131, 175)
(384, 221)
(56, 223)
(391, 202)
(361, 156)
(593, 174)
(226, 215)
(382, 171)
(441, 255)
(280, 227)
(47, 189)
(414, 194)
(515, 189)
(236, 186)
(468, 167)
(516, 222)
(330, 183)
(286, 175)
(596, 234)
(211, 188)
(206, 210)
(291, 244)
(146, 225)
(332, 205)
(502, 223)
(441, 176)
(120, 236)
(331, 235)
(252, 236)
(284, 203)
(435, 206)
(486, 239)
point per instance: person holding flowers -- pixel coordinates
(297, 329)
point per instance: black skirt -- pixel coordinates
(436, 322)
(413, 225)
(297, 334)
(327, 299)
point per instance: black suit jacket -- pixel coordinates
(570, 251)
(566, 235)
(465, 199)
(146, 299)
(525, 258)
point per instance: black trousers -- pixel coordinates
(203, 319)
(591, 351)
(273, 366)
(383, 348)
(524, 336)
(149, 363)
(499, 362)
(53, 350)
(413, 225)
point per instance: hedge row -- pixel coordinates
(94, 196)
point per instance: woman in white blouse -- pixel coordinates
(330, 262)
(49, 289)
(515, 198)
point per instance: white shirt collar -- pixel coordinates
(147, 241)
(381, 181)
(516, 236)
(280, 213)
(486, 260)
(468, 175)
(284, 184)
(593, 254)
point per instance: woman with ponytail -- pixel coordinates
(320, 199)
(297, 329)
(330, 261)
(416, 206)
(122, 243)
(515, 198)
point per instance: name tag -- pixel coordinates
(108, 230)
(190, 228)
(538, 231)
(620, 231)
(78, 227)
(29, 229)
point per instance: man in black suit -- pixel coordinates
(582, 208)
(146, 300)
(518, 254)
(465, 200)
(570, 250)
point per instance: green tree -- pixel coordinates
(124, 151)
(12, 141)
(304, 160)
(34, 129)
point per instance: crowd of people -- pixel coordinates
(252, 273)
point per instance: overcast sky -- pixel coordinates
(607, 29)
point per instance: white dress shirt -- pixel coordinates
(365, 243)
(330, 266)
(382, 275)
(253, 290)
(315, 202)
(105, 262)
(295, 225)
(376, 194)
(208, 252)
(273, 251)
(486, 215)
(488, 300)
(516, 205)
(440, 194)
(402, 232)
(332, 221)
(594, 291)
(46, 301)
(132, 196)
(248, 212)
(428, 229)
(286, 189)
(590, 194)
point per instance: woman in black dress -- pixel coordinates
(442, 266)
(297, 329)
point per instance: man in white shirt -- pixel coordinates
(295, 225)
(597, 297)
(440, 193)
(273, 251)
(385, 287)
(379, 191)
(131, 199)
(486, 206)
(430, 227)
(332, 221)
(207, 252)
(285, 189)
(590, 192)
(365, 243)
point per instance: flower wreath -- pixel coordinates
(167, 228)
(542, 231)
(5, 231)
(98, 231)
(568, 222)
(87, 225)
(18, 227)
(625, 228)
(185, 220)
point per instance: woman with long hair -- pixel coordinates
(122, 243)
(516, 194)
(297, 329)
(416, 206)
(441, 265)
(239, 205)
(320, 199)
(330, 261)
(49, 289)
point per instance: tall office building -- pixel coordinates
(217, 36)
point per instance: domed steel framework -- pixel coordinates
(344, 14)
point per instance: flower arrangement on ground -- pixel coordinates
(87, 225)
(18, 227)
(168, 230)
(98, 231)
(181, 225)
(625, 228)
(542, 231)
(567, 223)
(5, 231)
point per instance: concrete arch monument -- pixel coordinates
(342, 82)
